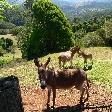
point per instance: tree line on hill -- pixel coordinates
(41, 28)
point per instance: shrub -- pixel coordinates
(1, 51)
(92, 40)
(16, 30)
(51, 30)
(6, 43)
(4, 31)
(6, 25)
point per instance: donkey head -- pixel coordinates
(75, 49)
(42, 72)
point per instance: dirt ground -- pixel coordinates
(34, 99)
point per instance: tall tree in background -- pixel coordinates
(51, 30)
(12, 13)
(3, 5)
(108, 32)
(28, 4)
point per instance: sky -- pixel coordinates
(75, 1)
(88, 0)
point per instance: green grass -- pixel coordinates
(8, 57)
(101, 73)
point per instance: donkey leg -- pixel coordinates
(49, 94)
(85, 61)
(71, 63)
(59, 63)
(81, 93)
(54, 96)
(87, 94)
(63, 63)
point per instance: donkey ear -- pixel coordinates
(47, 62)
(36, 61)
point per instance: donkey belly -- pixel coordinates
(66, 56)
(64, 83)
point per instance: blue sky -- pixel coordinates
(88, 0)
(20, 1)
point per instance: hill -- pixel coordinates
(83, 7)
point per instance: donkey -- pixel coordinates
(85, 56)
(68, 55)
(62, 79)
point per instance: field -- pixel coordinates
(100, 73)
(34, 98)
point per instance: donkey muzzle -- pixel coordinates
(43, 85)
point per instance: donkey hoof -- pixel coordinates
(52, 107)
(48, 106)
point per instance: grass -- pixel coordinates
(101, 73)
(8, 57)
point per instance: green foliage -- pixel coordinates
(15, 15)
(92, 39)
(51, 30)
(5, 59)
(101, 28)
(101, 33)
(12, 13)
(6, 43)
(28, 4)
(1, 51)
(3, 5)
(16, 30)
(6, 25)
(4, 31)
(108, 33)
(23, 40)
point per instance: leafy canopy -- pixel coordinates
(51, 30)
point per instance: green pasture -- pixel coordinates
(101, 72)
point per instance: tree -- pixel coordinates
(15, 15)
(92, 39)
(51, 30)
(108, 33)
(28, 4)
(3, 5)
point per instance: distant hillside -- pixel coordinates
(73, 8)
(80, 8)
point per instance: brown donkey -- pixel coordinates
(85, 56)
(68, 55)
(62, 79)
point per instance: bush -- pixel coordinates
(1, 51)
(92, 40)
(51, 31)
(4, 31)
(6, 43)
(22, 38)
(101, 32)
(16, 30)
(6, 25)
